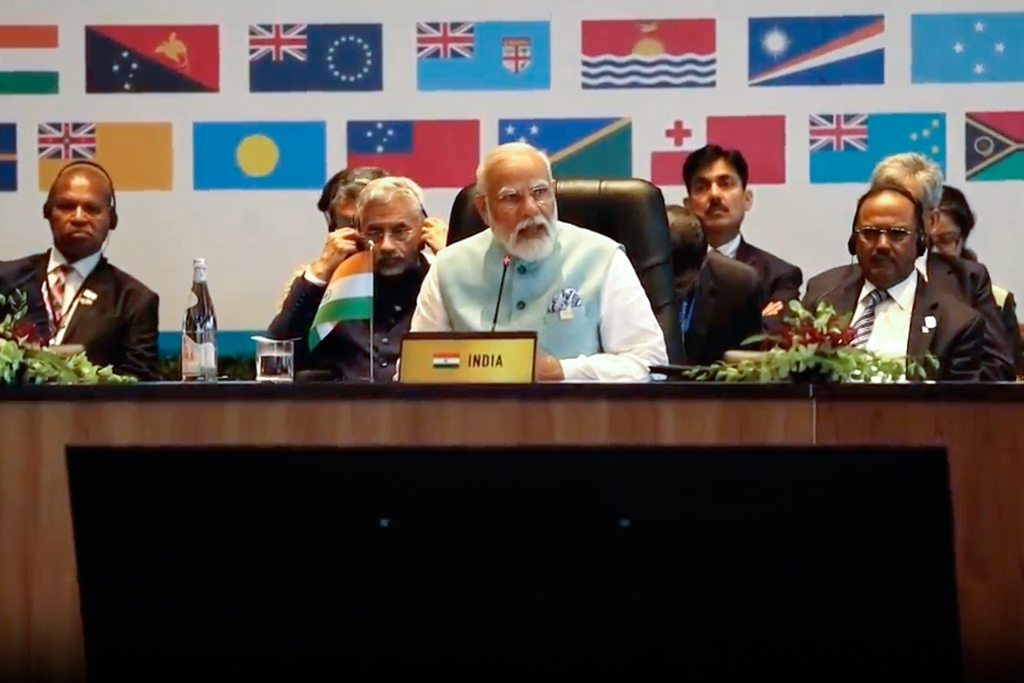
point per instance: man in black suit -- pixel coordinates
(75, 296)
(895, 311)
(719, 299)
(967, 281)
(716, 184)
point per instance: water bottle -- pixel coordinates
(199, 331)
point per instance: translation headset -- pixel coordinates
(921, 239)
(48, 206)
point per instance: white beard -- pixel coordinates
(534, 248)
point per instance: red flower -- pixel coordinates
(26, 332)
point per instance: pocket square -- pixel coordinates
(565, 300)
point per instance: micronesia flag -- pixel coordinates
(485, 55)
(315, 57)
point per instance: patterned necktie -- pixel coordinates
(862, 330)
(57, 284)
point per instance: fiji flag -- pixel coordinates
(260, 155)
(486, 55)
(577, 148)
(845, 148)
(848, 50)
(315, 57)
(8, 157)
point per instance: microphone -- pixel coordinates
(497, 304)
(368, 246)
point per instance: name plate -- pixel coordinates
(468, 358)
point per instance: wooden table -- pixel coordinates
(982, 426)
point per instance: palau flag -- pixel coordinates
(259, 155)
(845, 148)
(433, 153)
(967, 48)
(486, 55)
(847, 50)
(315, 57)
(139, 156)
(8, 157)
(150, 59)
(577, 148)
(28, 60)
(994, 145)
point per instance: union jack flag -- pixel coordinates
(444, 40)
(69, 141)
(837, 132)
(278, 41)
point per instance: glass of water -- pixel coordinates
(275, 360)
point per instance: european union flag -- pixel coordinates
(315, 57)
(967, 48)
(577, 148)
(259, 155)
(845, 148)
(487, 55)
(8, 157)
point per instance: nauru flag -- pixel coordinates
(349, 296)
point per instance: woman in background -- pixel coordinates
(949, 236)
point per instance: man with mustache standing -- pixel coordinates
(575, 288)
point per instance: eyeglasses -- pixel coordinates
(401, 233)
(896, 235)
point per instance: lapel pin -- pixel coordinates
(929, 322)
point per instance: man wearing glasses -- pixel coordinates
(895, 313)
(387, 211)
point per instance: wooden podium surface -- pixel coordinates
(982, 427)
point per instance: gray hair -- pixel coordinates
(385, 190)
(896, 169)
(485, 164)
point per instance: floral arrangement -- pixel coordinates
(25, 358)
(811, 347)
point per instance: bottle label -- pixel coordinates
(196, 358)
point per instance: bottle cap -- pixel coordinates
(198, 262)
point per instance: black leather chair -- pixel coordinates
(631, 212)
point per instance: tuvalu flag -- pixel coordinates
(8, 157)
(137, 155)
(152, 59)
(349, 296)
(413, 148)
(28, 55)
(994, 145)
(578, 148)
(669, 53)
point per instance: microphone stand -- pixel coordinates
(373, 294)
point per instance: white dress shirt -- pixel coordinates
(630, 335)
(729, 248)
(891, 332)
(80, 270)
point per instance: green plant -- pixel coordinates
(234, 368)
(25, 358)
(812, 347)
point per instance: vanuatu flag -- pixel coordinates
(148, 59)
(578, 148)
(994, 148)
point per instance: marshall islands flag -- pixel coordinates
(349, 296)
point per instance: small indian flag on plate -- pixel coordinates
(446, 359)
(349, 296)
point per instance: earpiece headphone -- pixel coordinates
(921, 239)
(48, 206)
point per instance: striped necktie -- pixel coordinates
(862, 329)
(57, 284)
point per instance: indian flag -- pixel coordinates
(28, 57)
(349, 296)
(445, 359)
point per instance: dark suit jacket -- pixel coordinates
(1008, 313)
(780, 280)
(120, 328)
(969, 282)
(727, 310)
(345, 353)
(955, 340)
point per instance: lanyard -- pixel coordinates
(686, 314)
(48, 300)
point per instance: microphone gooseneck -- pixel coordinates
(501, 287)
(373, 268)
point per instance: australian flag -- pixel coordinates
(315, 57)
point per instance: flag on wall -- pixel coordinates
(967, 48)
(433, 153)
(994, 145)
(8, 157)
(28, 55)
(259, 155)
(485, 55)
(577, 148)
(846, 50)
(138, 155)
(349, 296)
(844, 148)
(151, 59)
(761, 139)
(671, 53)
(315, 57)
